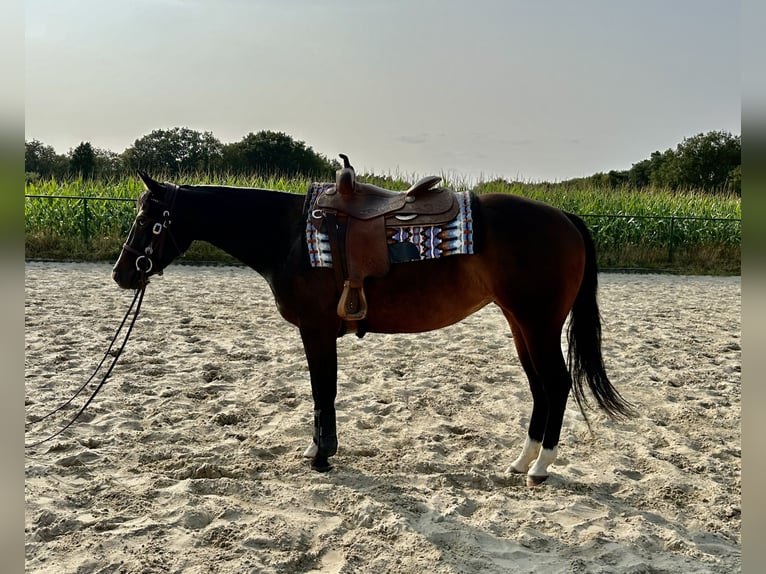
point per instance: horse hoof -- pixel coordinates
(320, 464)
(513, 470)
(536, 480)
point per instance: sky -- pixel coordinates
(472, 89)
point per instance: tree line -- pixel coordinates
(709, 162)
(181, 151)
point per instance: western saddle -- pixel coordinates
(367, 212)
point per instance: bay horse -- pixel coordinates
(535, 262)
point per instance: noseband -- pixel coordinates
(160, 231)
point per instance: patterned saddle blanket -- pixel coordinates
(405, 241)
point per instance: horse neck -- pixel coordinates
(256, 226)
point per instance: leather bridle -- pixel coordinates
(145, 261)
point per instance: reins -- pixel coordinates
(138, 297)
(145, 263)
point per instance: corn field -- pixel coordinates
(661, 229)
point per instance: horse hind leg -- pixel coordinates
(552, 370)
(536, 429)
(550, 383)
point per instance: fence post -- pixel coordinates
(670, 240)
(85, 234)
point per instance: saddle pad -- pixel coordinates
(405, 243)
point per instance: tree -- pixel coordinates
(705, 161)
(107, 163)
(638, 175)
(269, 152)
(658, 170)
(41, 160)
(664, 169)
(617, 178)
(175, 151)
(82, 160)
(734, 182)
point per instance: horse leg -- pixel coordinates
(322, 358)
(550, 366)
(543, 362)
(536, 429)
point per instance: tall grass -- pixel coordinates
(624, 200)
(65, 217)
(632, 228)
(657, 227)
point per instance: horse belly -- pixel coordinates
(423, 296)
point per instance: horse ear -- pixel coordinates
(149, 183)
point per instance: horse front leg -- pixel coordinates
(322, 358)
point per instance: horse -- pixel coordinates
(535, 262)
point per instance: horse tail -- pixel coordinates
(584, 335)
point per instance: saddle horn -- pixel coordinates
(345, 178)
(346, 163)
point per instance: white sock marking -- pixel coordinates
(528, 454)
(544, 460)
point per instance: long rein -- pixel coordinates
(137, 300)
(144, 264)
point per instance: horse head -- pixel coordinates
(153, 241)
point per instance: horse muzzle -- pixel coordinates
(130, 279)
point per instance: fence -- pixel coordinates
(609, 230)
(677, 230)
(84, 217)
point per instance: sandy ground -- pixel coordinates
(190, 458)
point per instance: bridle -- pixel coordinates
(145, 261)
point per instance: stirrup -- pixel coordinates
(353, 303)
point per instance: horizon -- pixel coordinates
(463, 179)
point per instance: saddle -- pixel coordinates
(366, 212)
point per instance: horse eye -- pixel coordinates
(141, 221)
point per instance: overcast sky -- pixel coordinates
(535, 90)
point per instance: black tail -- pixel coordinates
(584, 335)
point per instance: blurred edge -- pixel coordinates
(753, 285)
(12, 285)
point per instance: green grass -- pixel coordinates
(706, 233)
(705, 229)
